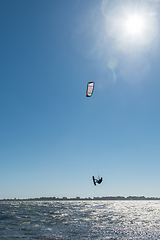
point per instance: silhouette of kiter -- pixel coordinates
(98, 180)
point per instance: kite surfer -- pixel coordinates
(89, 92)
(98, 180)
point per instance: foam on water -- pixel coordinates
(80, 220)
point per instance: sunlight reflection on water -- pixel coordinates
(80, 220)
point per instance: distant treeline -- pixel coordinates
(83, 199)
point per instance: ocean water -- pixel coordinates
(80, 220)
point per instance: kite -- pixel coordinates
(90, 88)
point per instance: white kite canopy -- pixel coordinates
(90, 88)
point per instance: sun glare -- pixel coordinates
(131, 26)
(135, 25)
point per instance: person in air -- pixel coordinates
(98, 180)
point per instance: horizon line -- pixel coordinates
(82, 198)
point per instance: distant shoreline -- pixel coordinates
(84, 199)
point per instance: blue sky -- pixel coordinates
(53, 138)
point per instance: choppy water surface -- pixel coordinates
(80, 220)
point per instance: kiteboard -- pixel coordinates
(94, 180)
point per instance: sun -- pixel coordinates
(135, 25)
(132, 26)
